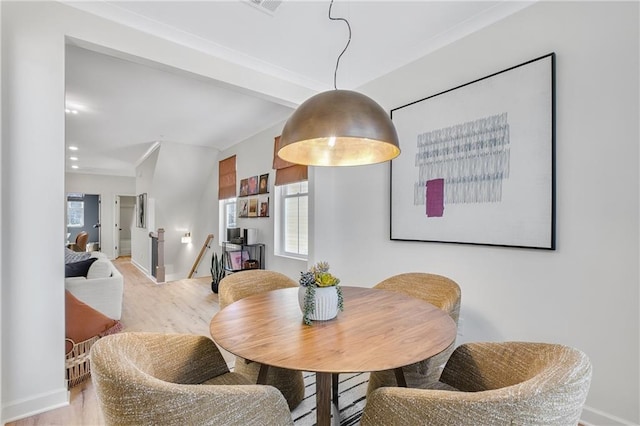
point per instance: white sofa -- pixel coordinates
(102, 289)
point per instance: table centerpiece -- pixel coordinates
(319, 295)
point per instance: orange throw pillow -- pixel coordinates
(82, 322)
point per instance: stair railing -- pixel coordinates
(203, 250)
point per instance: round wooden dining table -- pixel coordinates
(378, 330)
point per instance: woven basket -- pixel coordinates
(77, 361)
(251, 264)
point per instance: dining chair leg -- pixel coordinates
(262, 374)
(402, 383)
(334, 388)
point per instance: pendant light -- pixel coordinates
(339, 128)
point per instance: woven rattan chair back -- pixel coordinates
(440, 291)
(492, 383)
(247, 283)
(176, 379)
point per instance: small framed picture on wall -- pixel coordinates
(243, 208)
(253, 185)
(253, 207)
(263, 204)
(263, 187)
(244, 187)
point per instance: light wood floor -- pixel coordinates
(184, 306)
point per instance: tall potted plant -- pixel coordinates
(217, 271)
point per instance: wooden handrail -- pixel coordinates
(204, 248)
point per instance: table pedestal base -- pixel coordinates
(323, 399)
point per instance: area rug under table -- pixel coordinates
(352, 390)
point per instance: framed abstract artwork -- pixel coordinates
(477, 162)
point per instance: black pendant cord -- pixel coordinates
(335, 73)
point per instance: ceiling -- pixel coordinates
(125, 108)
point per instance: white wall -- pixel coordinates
(33, 205)
(108, 187)
(176, 179)
(254, 157)
(3, 140)
(584, 294)
(140, 240)
(179, 183)
(205, 219)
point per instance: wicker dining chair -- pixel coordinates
(498, 383)
(441, 292)
(177, 379)
(247, 283)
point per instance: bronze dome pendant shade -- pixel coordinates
(339, 128)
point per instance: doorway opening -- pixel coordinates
(83, 214)
(124, 222)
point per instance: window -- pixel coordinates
(75, 214)
(227, 217)
(292, 215)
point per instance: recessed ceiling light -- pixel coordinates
(73, 158)
(73, 148)
(74, 166)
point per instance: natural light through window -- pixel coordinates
(75, 214)
(292, 215)
(227, 214)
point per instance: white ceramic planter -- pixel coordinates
(326, 303)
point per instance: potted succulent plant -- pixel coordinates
(320, 295)
(217, 271)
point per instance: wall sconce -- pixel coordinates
(186, 239)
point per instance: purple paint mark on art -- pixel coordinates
(435, 197)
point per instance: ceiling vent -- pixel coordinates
(267, 6)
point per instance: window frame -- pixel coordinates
(281, 221)
(69, 216)
(223, 224)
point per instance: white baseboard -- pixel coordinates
(16, 410)
(137, 265)
(593, 417)
(144, 270)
